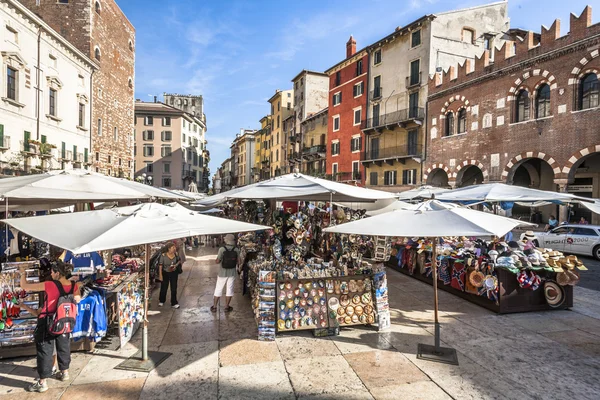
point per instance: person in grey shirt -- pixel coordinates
(228, 257)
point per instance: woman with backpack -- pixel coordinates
(54, 324)
(169, 268)
(228, 258)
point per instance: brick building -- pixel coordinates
(530, 118)
(347, 109)
(99, 29)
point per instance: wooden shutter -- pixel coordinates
(2, 135)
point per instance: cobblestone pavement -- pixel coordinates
(547, 355)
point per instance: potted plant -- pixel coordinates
(46, 148)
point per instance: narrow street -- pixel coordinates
(553, 355)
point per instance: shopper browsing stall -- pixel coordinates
(169, 267)
(228, 257)
(44, 339)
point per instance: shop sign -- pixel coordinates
(581, 188)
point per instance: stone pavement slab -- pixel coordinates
(322, 375)
(295, 346)
(255, 382)
(384, 368)
(247, 351)
(190, 372)
(112, 390)
(420, 390)
(358, 339)
(197, 332)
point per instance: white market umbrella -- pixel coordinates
(432, 219)
(494, 192)
(67, 187)
(396, 205)
(300, 187)
(594, 207)
(89, 231)
(423, 192)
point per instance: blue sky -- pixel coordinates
(236, 53)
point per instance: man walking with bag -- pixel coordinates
(228, 257)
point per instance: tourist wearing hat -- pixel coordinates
(228, 257)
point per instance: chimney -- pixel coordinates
(350, 47)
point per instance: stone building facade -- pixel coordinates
(399, 68)
(347, 108)
(100, 30)
(529, 118)
(314, 144)
(282, 106)
(311, 91)
(45, 99)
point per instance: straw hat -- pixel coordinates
(229, 239)
(554, 293)
(476, 279)
(563, 279)
(529, 235)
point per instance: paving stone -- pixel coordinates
(538, 323)
(191, 333)
(51, 394)
(384, 368)
(420, 390)
(255, 382)
(294, 347)
(100, 368)
(322, 375)
(191, 372)
(114, 390)
(247, 351)
(353, 395)
(352, 340)
(237, 328)
(190, 315)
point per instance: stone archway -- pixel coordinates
(438, 178)
(510, 169)
(469, 172)
(583, 177)
(432, 168)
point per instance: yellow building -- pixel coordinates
(263, 148)
(314, 142)
(282, 106)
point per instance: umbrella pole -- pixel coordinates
(435, 294)
(143, 361)
(426, 351)
(146, 284)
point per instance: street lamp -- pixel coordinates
(150, 180)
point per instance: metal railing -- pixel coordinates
(405, 150)
(344, 176)
(314, 150)
(396, 117)
(376, 93)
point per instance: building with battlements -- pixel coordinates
(526, 113)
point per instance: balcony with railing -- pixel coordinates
(4, 143)
(314, 152)
(27, 148)
(376, 93)
(294, 137)
(399, 117)
(344, 177)
(392, 153)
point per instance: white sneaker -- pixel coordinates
(161, 304)
(175, 306)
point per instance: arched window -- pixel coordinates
(462, 120)
(449, 124)
(522, 106)
(589, 92)
(97, 6)
(542, 102)
(97, 53)
(130, 83)
(130, 45)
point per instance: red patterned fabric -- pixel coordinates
(458, 276)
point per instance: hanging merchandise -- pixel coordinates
(130, 304)
(91, 317)
(17, 323)
(266, 307)
(84, 263)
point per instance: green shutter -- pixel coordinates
(43, 138)
(75, 153)
(85, 155)
(2, 135)
(26, 136)
(63, 151)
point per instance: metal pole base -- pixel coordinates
(136, 363)
(444, 355)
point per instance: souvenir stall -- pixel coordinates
(503, 277)
(121, 227)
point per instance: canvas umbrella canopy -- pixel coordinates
(396, 205)
(423, 192)
(147, 223)
(432, 219)
(300, 187)
(494, 192)
(66, 187)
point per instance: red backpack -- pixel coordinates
(63, 320)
